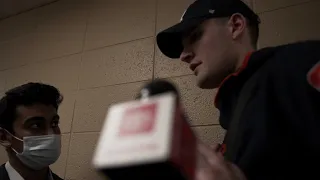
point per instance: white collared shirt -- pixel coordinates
(14, 175)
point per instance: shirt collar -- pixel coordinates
(14, 175)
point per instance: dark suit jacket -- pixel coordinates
(4, 174)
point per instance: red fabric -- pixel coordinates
(314, 76)
(244, 65)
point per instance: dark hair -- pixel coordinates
(253, 27)
(26, 95)
(254, 33)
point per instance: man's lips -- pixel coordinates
(193, 66)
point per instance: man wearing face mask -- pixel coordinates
(29, 130)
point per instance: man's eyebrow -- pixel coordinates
(190, 31)
(34, 118)
(40, 118)
(187, 34)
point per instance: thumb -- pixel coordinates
(239, 175)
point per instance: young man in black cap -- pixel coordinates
(269, 99)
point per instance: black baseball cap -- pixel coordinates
(170, 40)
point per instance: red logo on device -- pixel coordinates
(138, 120)
(314, 76)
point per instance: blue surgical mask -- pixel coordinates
(39, 151)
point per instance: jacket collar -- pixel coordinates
(229, 89)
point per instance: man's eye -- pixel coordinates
(55, 124)
(193, 37)
(35, 126)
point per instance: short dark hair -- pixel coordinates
(253, 28)
(254, 33)
(26, 95)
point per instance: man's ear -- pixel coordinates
(237, 23)
(5, 138)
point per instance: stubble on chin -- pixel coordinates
(204, 82)
(211, 81)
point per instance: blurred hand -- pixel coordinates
(212, 165)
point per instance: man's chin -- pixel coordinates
(205, 83)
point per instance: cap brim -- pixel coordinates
(170, 40)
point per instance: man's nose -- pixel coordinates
(186, 57)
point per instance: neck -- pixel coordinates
(242, 53)
(25, 171)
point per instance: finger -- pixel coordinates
(202, 161)
(205, 150)
(212, 157)
(236, 171)
(204, 174)
(215, 147)
(210, 173)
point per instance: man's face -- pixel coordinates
(208, 49)
(34, 120)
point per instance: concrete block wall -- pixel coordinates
(98, 52)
